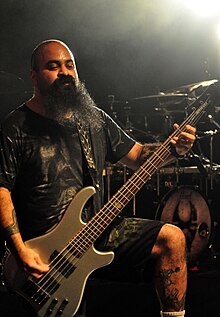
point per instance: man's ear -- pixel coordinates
(33, 76)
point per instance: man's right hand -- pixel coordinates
(32, 263)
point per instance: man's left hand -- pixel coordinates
(185, 140)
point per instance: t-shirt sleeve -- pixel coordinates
(8, 158)
(118, 141)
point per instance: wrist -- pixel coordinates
(176, 154)
(9, 231)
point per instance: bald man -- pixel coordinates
(44, 164)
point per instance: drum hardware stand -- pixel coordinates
(108, 177)
(211, 162)
(168, 118)
(134, 197)
(128, 123)
(211, 146)
(111, 102)
(211, 134)
(196, 159)
(128, 126)
(108, 174)
(177, 178)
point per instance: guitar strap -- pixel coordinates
(85, 141)
(89, 169)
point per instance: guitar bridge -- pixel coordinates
(40, 293)
(35, 293)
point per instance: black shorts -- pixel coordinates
(132, 240)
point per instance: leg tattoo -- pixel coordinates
(169, 292)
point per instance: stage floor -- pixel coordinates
(119, 299)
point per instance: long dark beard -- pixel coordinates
(65, 103)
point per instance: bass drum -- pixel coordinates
(186, 208)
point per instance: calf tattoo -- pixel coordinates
(11, 229)
(166, 275)
(171, 293)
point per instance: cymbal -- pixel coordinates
(10, 83)
(165, 110)
(162, 95)
(191, 87)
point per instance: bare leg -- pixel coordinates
(171, 268)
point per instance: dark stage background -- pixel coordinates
(124, 49)
(128, 53)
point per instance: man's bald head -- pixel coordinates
(41, 47)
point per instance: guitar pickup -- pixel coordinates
(62, 263)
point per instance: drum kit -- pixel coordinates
(182, 192)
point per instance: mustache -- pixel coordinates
(64, 79)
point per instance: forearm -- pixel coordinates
(30, 261)
(140, 153)
(8, 222)
(149, 149)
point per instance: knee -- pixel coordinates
(171, 239)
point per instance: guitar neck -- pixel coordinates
(89, 233)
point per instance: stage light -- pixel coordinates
(205, 8)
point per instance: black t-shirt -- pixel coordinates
(41, 164)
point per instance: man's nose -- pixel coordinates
(63, 70)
